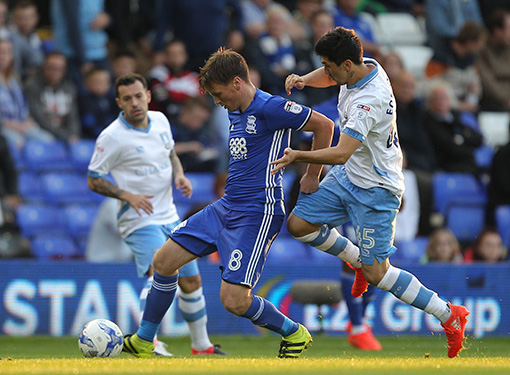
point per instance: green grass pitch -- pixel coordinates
(256, 355)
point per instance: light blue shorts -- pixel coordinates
(371, 211)
(144, 242)
(242, 238)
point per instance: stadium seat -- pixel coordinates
(494, 127)
(458, 188)
(17, 156)
(79, 219)
(54, 247)
(399, 29)
(67, 188)
(483, 156)
(410, 252)
(39, 219)
(287, 250)
(503, 223)
(203, 188)
(46, 156)
(466, 221)
(81, 153)
(414, 58)
(29, 187)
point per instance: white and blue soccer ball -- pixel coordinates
(101, 338)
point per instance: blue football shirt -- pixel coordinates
(257, 137)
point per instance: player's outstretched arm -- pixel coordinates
(316, 78)
(181, 182)
(102, 186)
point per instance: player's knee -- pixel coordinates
(234, 306)
(190, 284)
(373, 275)
(161, 265)
(298, 227)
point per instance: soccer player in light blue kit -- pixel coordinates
(366, 184)
(138, 150)
(245, 221)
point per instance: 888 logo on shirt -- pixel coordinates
(238, 149)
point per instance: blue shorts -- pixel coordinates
(371, 211)
(242, 239)
(144, 242)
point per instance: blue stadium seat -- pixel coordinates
(203, 188)
(54, 247)
(287, 250)
(466, 221)
(46, 156)
(410, 252)
(79, 219)
(81, 153)
(30, 188)
(503, 223)
(17, 156)
(39, 219)
(483, 156)
(456, 188)
(67, 188)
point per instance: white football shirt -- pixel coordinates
(139, 162)
(368, 113)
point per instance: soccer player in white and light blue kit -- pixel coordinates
(138, 150)
(366, 184)
(244, 222)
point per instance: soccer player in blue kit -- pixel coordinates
(366, 184)
(245, 221)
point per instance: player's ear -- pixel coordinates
(117, 100)
(236, 82)
(149, 96)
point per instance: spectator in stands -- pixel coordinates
(28, 48)
(171, 83)
(52, 99)
(79, 33)
(488, 247)
(392, 64)
(458, 66)
(416, 143)
(442, 247)
(304, 14)
(444, 19)
(195, 144)
(414, 7)
(493, 64)
(347, 15)
(4, 8)
(97, 104)
(321, 22)
(17, 125)
(499, 186)
(274, 52)
(201, 24)
(454, 142)
(123, 63)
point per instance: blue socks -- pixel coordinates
(264, 314)
(159, 299)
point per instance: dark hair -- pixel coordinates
(476, 245)
(222, 67)
(497, 19)
(470, 32)
(21, 4)
(129, 79)
(339, 45)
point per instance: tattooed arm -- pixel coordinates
(102, 186)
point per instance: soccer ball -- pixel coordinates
(101, 338)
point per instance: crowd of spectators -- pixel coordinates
(59, 60)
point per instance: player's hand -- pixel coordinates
(184, 186)
(309, 184)
(293, 80)
(288, 157)
(140, 202)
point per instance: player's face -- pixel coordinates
(336, 72)
(134, 100)
(226, 95)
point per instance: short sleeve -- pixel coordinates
(361, 119)
(104, 157)
(281, 113)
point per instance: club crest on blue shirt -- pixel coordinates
(293, 107)
(166, 140)
(251, 126)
